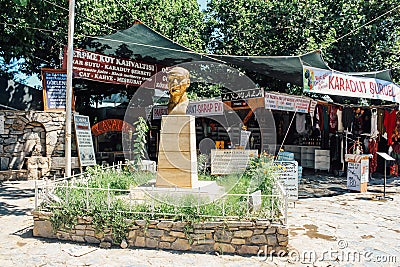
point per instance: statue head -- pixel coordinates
(178, 81)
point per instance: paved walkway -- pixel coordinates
(328, 227)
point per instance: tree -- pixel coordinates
(38, 31)
(292, 27)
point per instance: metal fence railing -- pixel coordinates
(161, 203)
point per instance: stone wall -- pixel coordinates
(23, 132)
(234, 237)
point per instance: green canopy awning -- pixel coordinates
(140, 42)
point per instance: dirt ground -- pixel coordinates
(328, 226)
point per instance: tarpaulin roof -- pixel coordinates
(140, 42)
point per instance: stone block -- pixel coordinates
(282, 238)
(203, 241)
(80, 227)
(78, 238)
(165, 225)
(258, 231)
(124, 244)
(177, 234)
(203, 248)
(203, 231)
(131, 234)
(270, 230)
(272, 240)
(105, 245)
(140, 241)
(232, 224)
(258, 239)
(248, 250)
(89, 233)
(178, 226)
(224, 248)
(282, 231)
(243, 233)
(223, 236)
(154, 233)
(238, 241)
(164, 245)
(141, 222)
(43, 229)
(167, 238)
(151, 243)
(180, 244)
(91, 239)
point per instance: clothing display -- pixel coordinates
(347, 118)
(339, 114)
(301, 123)
(374, 122)
(390, 124)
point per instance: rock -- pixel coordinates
(271, 240)
(282, 238)
(124, 244)
(43, 229)
(248, 250)
(224, 248)
(168, 238)
(223, 236)
(180, 244)
(78, 238)
(258, 239)
(141, 222)
(165, 225)
(151, 243)
(238, 241)
(231, 224)
(132, 234)
(105, 245)
(282, 231)
(203, 241)
(243, 233)
(178, 226)
(140, 241)
(164, 245)
(177, 234)
(271, 230)
(154, 233)
(91, 239)
(203, 248)
(258, 231)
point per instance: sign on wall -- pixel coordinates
(54, 89)
(227, 161)
(84, 140)
(110, 69)
(244, 94)
(2, 121)
(333, 83)
(195, 108)
(287, 175)
(286, 103)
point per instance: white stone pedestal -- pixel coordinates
(177, 159)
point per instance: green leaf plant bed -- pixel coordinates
(99, 207)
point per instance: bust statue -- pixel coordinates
(178, 82)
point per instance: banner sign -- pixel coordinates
(205, 108)
(84, 140)
(286, 103)
(110, 69)
(332, 83)
(287, 174)
(241, 95)
(54, 89)
(196, 108)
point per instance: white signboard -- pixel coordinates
(205, 108)
(244, 138)
(287, 175)
(333, 83)
(287, 103)
(197, 109)
(84, 140)
(2, 121)
(227, 161)
(353, 176)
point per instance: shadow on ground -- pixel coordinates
(9, 193)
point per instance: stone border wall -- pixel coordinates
(233, 237)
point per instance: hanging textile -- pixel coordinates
(347, 118)
(373, 148)
(301, 123)
(333, 120)
(374, 122)
(380, 120)
(390, 124)
(339, 113)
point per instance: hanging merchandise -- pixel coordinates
(380, 120)
(333, 119)
(301, 123)
(347, 118)
(358, 121)
(390, 124)
(339, 114)
(374, 122)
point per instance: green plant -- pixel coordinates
(139, 143)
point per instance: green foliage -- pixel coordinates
(139, 143)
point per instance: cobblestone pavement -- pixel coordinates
(327, 227)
